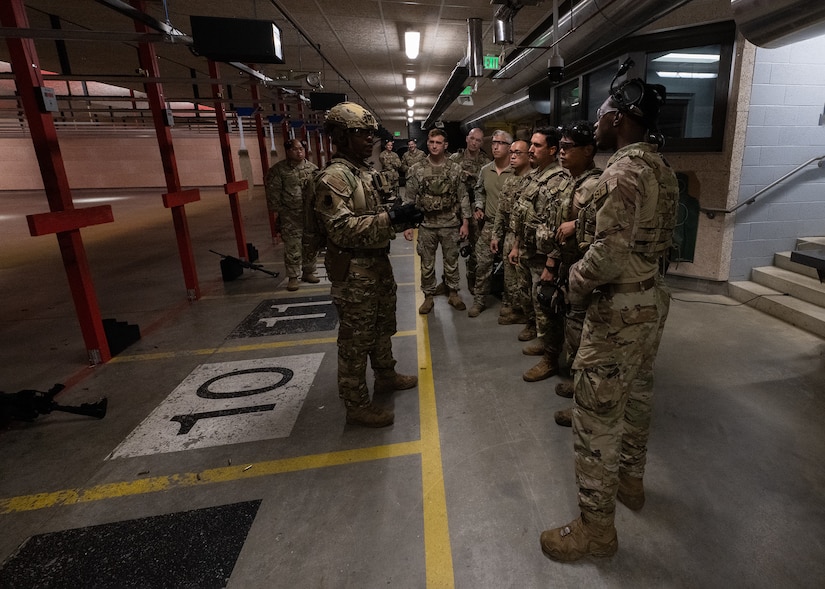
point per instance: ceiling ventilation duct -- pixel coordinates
(448, 95)
(595, 23)
(775, 23)
(475, 48)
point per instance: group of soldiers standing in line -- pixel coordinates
(582, 250)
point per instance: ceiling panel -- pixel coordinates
(361, 42)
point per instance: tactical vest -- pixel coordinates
(438, 191)
(657, 237)
(532, 209)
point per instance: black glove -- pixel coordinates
(405, 214)
(551, 298)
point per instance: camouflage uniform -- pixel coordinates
(636, 202)
(531, 211)
(439, 192)
(390, 165)
(358, 265)
(513, 288)
(487, 193)
(573, 195)
(470, 168)
(408, 160)
(288, 193)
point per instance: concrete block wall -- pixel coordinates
(784, 131)
(124, 160)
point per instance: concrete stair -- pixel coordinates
(787, 290)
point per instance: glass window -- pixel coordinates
(569, 102)
(690, 76)
(598, 89)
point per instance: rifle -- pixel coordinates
(27, 405)
(232, 267)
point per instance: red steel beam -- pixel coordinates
(232, 186)
(64, 219)
(154, 92)
(259, 127)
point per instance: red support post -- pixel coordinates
(63, 220)
(232, 186)
(259, 127)
(163, 122)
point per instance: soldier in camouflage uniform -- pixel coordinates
(503, 238)
(358, 232)
(412, 156)
(622, 329)
(288, 186)
(390, 165)
(491, 178)
(531, 211)
(564, 235)
(471, 159)
(435, 187)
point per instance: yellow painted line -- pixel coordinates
(205, 477)
(438, 552)
(233, 349)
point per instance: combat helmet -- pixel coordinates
(350, 115)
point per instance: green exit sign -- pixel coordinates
(491, 62)
(397, 134)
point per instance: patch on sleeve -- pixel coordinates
(337, 184)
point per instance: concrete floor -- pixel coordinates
(456, 493)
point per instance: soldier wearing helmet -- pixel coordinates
(358, 232)
(635, 200)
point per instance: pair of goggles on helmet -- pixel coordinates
(577, 135)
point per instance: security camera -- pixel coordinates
(555, 68)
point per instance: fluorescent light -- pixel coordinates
(410, 80)
(688, 58)
(410, 113)
(410, 102)
(694, 75)
(412, 41)
(409, 119)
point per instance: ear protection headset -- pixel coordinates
(636, 98)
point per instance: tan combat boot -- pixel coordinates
(476, 310)
(369, 415)
(393, 381)
(455, 301)
(534, 348)
(528, 333)
(579, 539)
(310, 277)
(546, 368)
(564, 417)
(292, 284)
(565, 389)
(427, 305)
(631, 492)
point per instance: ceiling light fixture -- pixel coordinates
(410, 113)
(688, 58)
(410, 81)
(693, 75)
(412, 42)
(410, 102)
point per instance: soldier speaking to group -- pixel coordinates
(358, 232)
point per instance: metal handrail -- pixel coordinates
(711, 213)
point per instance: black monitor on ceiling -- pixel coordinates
(325, 100)
(237, 39)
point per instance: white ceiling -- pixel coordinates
(362, 41)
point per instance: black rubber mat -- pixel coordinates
(191, 549)
(294, 315)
